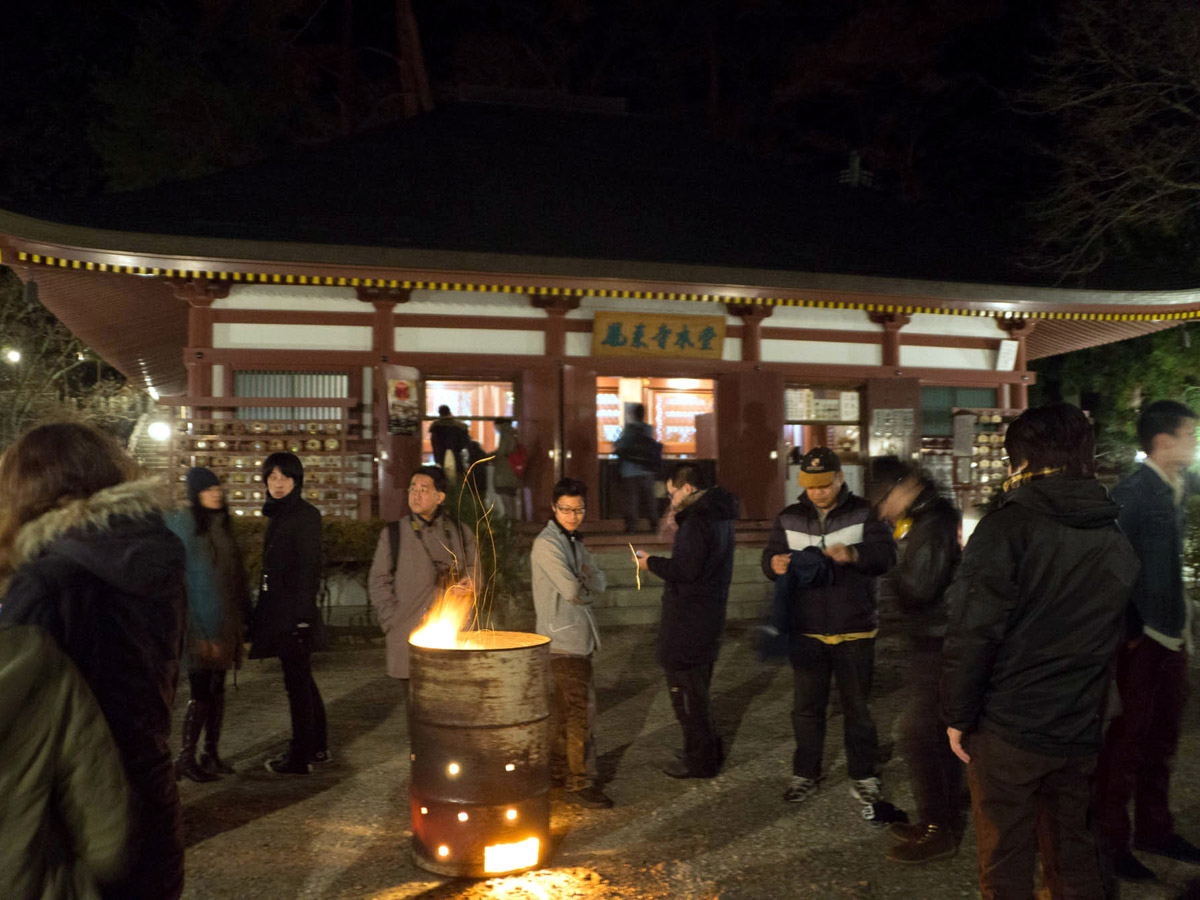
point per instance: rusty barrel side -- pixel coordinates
(479, 725)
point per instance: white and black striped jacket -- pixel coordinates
(847, 605)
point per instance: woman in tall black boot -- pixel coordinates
(218, 605)
(286, 621)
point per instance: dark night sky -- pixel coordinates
(129, 93)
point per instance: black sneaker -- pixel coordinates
(590, 797)
(1127, 867)
(287, 767)
(1175, 847)
(321, 757)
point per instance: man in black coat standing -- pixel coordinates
(926, 526)
(286, 622)
(697, 576)
(1036, 612)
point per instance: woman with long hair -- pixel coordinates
(286, 622)
(85, 556)
(218, 606)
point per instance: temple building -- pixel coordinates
(555, 268)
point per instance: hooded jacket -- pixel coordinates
(291, 573)
(928, 557)
(403, 590)
(1036, 612)
(64, 803)
(218, 599)
(697, 576)
(566, 582)
(104, 576)
(845, 605)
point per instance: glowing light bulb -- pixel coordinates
(509, 768)
(443, 850)
(462, 817)
(510, 815)
(452, 768)
(424, 810)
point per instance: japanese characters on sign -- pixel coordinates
(650, 334)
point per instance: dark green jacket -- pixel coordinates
(64, 803)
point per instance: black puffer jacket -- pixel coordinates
(697, 576)
(291, 571)
(1036, 611)
(104, 576)
(929, 556)
(847, 604)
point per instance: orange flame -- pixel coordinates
(510, 857)
(442, 627)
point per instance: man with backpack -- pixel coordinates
(416, 559)
(640, 455)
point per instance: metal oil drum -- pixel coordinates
(479, 725)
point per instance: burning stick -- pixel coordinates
(637, 569)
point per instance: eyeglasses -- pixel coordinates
(571, 510)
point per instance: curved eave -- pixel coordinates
(38, 243)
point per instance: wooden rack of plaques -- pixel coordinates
(337, 459)
(983, 467)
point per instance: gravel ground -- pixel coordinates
(344, 831)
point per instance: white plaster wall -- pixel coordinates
(218, 381)
(467, 304)
(578, 344)
(237, 336)
(292, 297)
(807, 317)
(831, 353)
(959, 326)
(947, 357)
(732, 351)
(462, 340)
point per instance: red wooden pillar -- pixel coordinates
(1018, 330)
(199, 294)
(891, 322)
(396, 455)
(752, 315)
(540, 428)
(750, 454)
(556, 309)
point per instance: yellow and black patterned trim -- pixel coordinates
(614, 293)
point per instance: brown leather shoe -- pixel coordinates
(935, 843)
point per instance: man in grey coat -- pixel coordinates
(566, 583)
(415, 560)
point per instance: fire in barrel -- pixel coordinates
(478, 720)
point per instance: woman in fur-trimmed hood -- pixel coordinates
(84, 555)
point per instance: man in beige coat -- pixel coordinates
(431, 553)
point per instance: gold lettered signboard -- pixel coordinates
(651, 334)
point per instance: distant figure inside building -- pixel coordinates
(640, 456)
(450, 439)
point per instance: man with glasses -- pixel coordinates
(416, 559)
(566, 583)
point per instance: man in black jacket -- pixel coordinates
(697, 576)
(1036, 613)
(927, 528)
(1152, 661)
(833, 626)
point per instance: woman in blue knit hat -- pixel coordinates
(218, 608)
